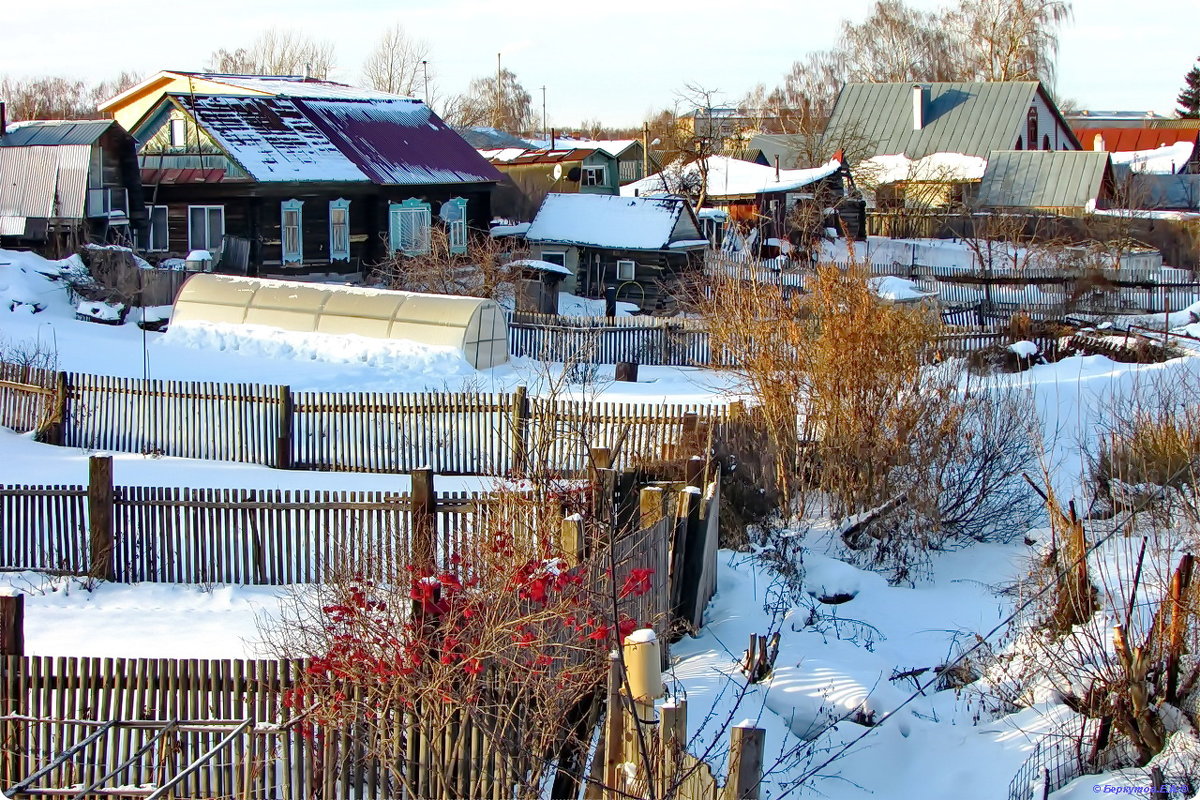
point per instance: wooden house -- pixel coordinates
(639, 245)
(773, 202)
(531, 175)
(292, 185)
(1160, 151)
(67, 183)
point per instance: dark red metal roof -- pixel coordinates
(179, 176)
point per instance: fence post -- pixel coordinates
(572, 540)
(55, 430)
(694, 471)
(673, 739)
(100, 516)
(424, 521)
(614, 728)
(12, 624)
(651, 502)
(745, 762)
(687, 557)
(283, 444)
(520, 427)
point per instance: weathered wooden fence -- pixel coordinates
(50, 707)
(455, 434)
(608, 340)
(1002, 289)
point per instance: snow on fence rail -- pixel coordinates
(455, 434)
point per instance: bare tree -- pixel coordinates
(1011, 40)
(897, 43)
(398, 64)
(277, 52)
(53, 97)
(498, 101)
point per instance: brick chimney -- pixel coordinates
(918, 106)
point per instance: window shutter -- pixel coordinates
(292, 232)
(454, 214)
(339, 230)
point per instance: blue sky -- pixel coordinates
(615, 61)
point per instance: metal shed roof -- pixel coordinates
(970, 118)
(43, 181)
(1124, 140)
(1043, 178)
(54, 133)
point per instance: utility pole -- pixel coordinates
(645, 149)
(545, 127)
(496, 118)
(425, 67)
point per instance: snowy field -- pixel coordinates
(835, 662)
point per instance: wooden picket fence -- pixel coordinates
(390, 432)
(218, 728)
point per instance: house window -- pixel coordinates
(1018, 147)
(293, 243)
(155, 239)
(339, 230)
(179, 132)
(558, 257)
(625, 270)
(206, 227)
(594, 176)
(1046, 143)
(1031, 127)
(454, 214)
(408, 227)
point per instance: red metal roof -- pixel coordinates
(178, 176)
(549, 156)
(1128, 140)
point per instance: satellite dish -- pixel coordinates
(557, 172)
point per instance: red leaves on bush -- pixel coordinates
(637, 583)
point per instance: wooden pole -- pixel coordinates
(12, 625)
(693, 471)
(686, 553)
(614, 726)
(100, 517)
(674, 739)
(651, 502)
(283, 444)
(745, 763)
(627, 372)
(573, 540)
(424, 522)
(520, 427)
(1180, 582)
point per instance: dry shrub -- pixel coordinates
(482, 271)
(849, 413)
(1153, 439)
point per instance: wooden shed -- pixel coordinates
(474, 325)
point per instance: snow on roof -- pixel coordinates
(939, 167)
(614, 147)
(731, 177)
(503, 153)
(598, 220)
(299, 86)
(540, 266)
(390, 142)
(1165, 160)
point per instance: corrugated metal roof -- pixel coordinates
(152, 176)
(1043, 178)
(44, 181)
(559, 156)
(1170, 192)
(392, 142)
(1126, 140)
(297, 86)
(969, 118)
(54, 132)
(399, 142)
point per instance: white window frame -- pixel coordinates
(210, 246)
(456, 225)
(408, 227)
(630, 265)
(151, 229)
(339, 247)
(291, 252)
(546, 254)
(177, 128)
(589, 173)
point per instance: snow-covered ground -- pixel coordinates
(835, 661)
